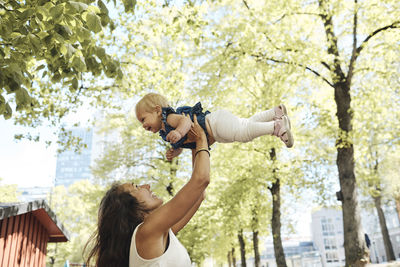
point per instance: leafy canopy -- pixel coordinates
(46, 43)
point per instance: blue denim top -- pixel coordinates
(201, 119)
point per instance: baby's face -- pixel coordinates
(151, 121)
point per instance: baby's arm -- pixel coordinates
(181, 124)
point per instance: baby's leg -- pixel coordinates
(270, 115)
(227, 128)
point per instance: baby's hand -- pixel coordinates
(172, 153)
(174, 136)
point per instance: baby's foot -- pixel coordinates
(281, 111)
(282, 130)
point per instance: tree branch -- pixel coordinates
(245, 3)
(354, 52)
(278, 48)
(326, 65)
(247, 89)
(331, 40)
(394, 25)
(260, 57)
(295, 13)
(293, 50)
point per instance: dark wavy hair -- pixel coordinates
(119, 214)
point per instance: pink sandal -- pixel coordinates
(282, 130)
(281, 111)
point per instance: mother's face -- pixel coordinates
(143, 194)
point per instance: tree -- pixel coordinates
(391, 176)
(8, 193)
(376, 140)
(313, 46)
(165, 67)
(246, 55)
(47, 50)
(76, 208)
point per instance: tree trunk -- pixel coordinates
(397, 200)
(170, 186)
(256, 249)
(276, 218)
(233, 257)
(242, 248)
(355, 248)
(385, 233)
(229, 259)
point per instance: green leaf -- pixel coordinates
(63, 49)
(15, 35)
(22, 98)
(8, 112)
(129, 5)
(75, 83)
(78, 6)
(78, 64)
(93, 22)
(40, 67)
(57, 11)
(35, 41)
(70, 50)
(83, 34)
(2, 104)
(105, 19)
(42, 34)
(103, 7)
(100, 53)
(26, 14)
(43, 10)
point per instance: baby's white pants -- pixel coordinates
(228, 128)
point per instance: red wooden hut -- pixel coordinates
(25, 229)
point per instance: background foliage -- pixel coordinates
(245, 56)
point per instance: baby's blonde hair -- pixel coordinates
(149, 102)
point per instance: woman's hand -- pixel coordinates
(172, 153)
(196, 133)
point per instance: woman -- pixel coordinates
(134, 227)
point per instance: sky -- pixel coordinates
(29, 163)
(25, 163)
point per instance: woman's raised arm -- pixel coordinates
(165, 217)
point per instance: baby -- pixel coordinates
(156, 115)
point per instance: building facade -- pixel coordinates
(297, 254)
(372, 227)
(25, 230)
(28, 194)
(327, 234)
(73, 166)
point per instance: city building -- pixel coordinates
(73, 166)
(373, 229)
(28, 194)
(327, 235)
(298, 253)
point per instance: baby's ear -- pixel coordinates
(158, 109)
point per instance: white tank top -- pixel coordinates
(175, 256)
